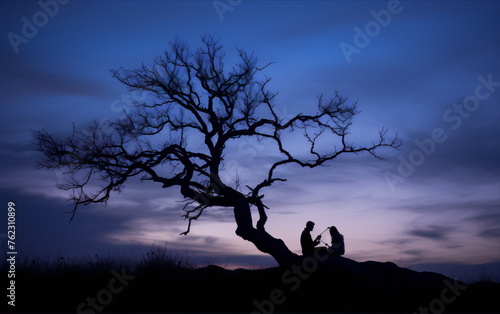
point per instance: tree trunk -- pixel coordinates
(259, 237)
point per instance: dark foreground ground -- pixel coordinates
(344, 286)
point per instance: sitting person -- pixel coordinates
(337, 248)
(306, 240)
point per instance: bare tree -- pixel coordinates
(191, 96)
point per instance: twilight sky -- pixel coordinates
(429, 71)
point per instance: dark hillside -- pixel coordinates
(344, 286)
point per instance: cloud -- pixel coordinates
(45, 232)
(211, 240)
(23, 78)
(463, 149)
(490, 233)
(397, 242)
(487, 217)
(433, 232)
(415, 252)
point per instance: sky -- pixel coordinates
(427, 70)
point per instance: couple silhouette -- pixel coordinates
(336, 247)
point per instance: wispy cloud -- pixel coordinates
(493, 233)
(26, 80)
(434, 232)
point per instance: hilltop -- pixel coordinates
(341, 286)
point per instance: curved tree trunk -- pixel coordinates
(259, 237)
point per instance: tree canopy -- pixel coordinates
(191, 95)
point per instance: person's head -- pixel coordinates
(310, 225)
(334, 231)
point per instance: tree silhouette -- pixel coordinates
(189, 96)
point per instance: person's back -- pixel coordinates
(338, 246)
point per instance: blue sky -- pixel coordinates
(427, 70)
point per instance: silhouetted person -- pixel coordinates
(337, 248)
(306, 240)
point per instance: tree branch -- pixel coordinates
(189, 96)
